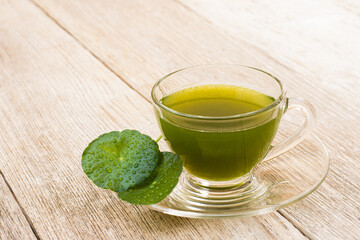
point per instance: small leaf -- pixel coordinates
(159, 185)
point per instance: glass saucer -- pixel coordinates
(273, 185)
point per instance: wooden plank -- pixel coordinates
(57, 98)
(142, 42)
(13, 223)
(318, 39)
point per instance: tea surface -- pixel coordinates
(217, 100)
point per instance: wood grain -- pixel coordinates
(142, 42)
(13, 223)
(57, 98)
(312, 47)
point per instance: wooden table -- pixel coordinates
(71, 70)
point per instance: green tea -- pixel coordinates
(219, 149)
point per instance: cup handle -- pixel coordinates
(310, 117)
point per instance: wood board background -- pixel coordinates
(71, 70)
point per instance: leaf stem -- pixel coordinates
(158, 139)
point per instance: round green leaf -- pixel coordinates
(158, 186)
(120, 160)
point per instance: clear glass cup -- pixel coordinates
(220, 153)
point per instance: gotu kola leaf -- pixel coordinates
(160, 185)
(120, 160)
(131, 164)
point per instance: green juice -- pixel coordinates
(219, 149)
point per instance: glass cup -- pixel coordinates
(220, 153)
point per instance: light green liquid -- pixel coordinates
(229, 151)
